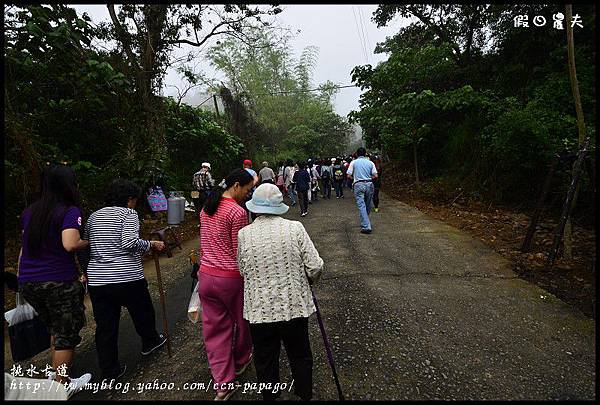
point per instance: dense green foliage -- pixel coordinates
(485, 104)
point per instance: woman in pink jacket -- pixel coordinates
(226, 333)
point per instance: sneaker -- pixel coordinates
(337, 198)
(120, 374)
(376, 209)
(227, 395)
(162, 340)
(366, 231)
(244, 367)
(303, 214)
(78, 384)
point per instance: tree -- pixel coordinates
(501, 106)
(461, 26)
(147, 34)
(271, 98)
(60, 94)
(568, 250)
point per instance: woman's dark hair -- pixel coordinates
(59, 188)
(301, 165)
(289, 162)
(119, 192)
(237, 176)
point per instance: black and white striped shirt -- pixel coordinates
(115, 246)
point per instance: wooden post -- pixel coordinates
(216, 105)
(567, 205)
(416, 163)
(539, 207)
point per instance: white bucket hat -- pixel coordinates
(267, 199)
(206, 165)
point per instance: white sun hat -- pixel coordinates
(267, 199)
(205, 164)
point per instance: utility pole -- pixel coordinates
(216, 105)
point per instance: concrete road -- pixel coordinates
(415, 310)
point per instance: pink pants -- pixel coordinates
(222, 301)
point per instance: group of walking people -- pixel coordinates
(254, 284)
(109, 252)
(253, 281)
(303, 181)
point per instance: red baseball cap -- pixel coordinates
(247, 162)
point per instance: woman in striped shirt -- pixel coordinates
(221, 287)
(116, 276)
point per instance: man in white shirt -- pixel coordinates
(266, 174)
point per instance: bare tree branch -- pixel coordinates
(425, 19)
(123, 36)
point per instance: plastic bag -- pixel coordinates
(27, 333)
(157, 199)
(194, 308)
(21, 313)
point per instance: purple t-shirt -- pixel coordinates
(54, 262)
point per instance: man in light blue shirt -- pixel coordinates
(362, 172)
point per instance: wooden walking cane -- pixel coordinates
(160, 234)
(327, 346)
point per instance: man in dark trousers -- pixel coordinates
(302, 180)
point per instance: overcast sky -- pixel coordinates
(333, 29)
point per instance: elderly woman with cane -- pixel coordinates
(278, 260)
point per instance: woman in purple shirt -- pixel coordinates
(48, 277)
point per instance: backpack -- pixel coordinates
(339, 174)
(325, 175)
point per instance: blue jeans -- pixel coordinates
(292, 193)
(363, 192)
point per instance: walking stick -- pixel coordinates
(161, 235)
(162, 303)
(327, 346)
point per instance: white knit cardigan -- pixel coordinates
(274, 256)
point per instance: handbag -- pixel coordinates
(28, 335)
(157, 199)
(194, 307)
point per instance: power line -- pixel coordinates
(360, 38)
(366, 32)
(304, 91)
(363, 30)
(292, 92)
(211, 96)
